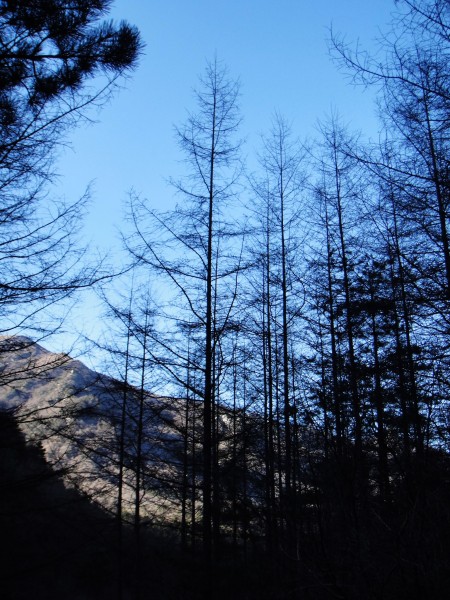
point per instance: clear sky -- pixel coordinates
(277, 49)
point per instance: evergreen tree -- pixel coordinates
(49, 52)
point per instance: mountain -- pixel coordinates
(61, 449)
(64, 530)
(56, 544)
(59, 426)
(75, 415)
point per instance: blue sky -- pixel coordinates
(278, 51)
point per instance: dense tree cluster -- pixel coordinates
(308, 334)
(300, 332)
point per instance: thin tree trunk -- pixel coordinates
(139, 461)
(337, 408)
(356, 405)
(208, 397)
(185, 480)
(383, 472)
(123, 418)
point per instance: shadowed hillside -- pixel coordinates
(59, 478)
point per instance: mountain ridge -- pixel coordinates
(74, 413)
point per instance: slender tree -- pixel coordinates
(277, 207)
(203, 274)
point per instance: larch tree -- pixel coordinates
(277, 248)
(195, 249)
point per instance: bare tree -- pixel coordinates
(195, 249)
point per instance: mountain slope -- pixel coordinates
(56, 544)
(75, 414)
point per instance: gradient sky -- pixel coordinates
(278, 51)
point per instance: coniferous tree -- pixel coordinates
(49, 53)
(203, 275)
(278, 300)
